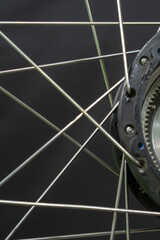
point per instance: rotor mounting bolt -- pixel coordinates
(144, 61)
(129, 130)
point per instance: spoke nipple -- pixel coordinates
(129, 130)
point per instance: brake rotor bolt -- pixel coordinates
(129, 130)
(144, 61)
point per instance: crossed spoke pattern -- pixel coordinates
(83, 112)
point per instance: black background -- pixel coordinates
(21, 134)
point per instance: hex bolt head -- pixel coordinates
(129, 130)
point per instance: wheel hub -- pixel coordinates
(136, 124)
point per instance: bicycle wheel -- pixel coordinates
(46, 156)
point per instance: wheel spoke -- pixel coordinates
(128, 88)
(119, 188)
(102, 64)
(123, 46)
(95, 234)
(76, 23)
(69, 23)
(126, 200)
(78, 207)
(69, 98)
(80, 60)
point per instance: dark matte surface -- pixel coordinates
(85, 182)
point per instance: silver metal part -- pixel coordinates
(129, 130)
(144, 61)
(128, 87)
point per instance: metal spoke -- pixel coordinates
(79, 207)
(70, 99)
(123, 47)
(76, 23)
(119, 188)
(128, 88)
(103, 68)
(126, 200)
(95, 234)
(66, 167)
(60, 132)
(80, 60)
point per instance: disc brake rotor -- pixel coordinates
(136, 124)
